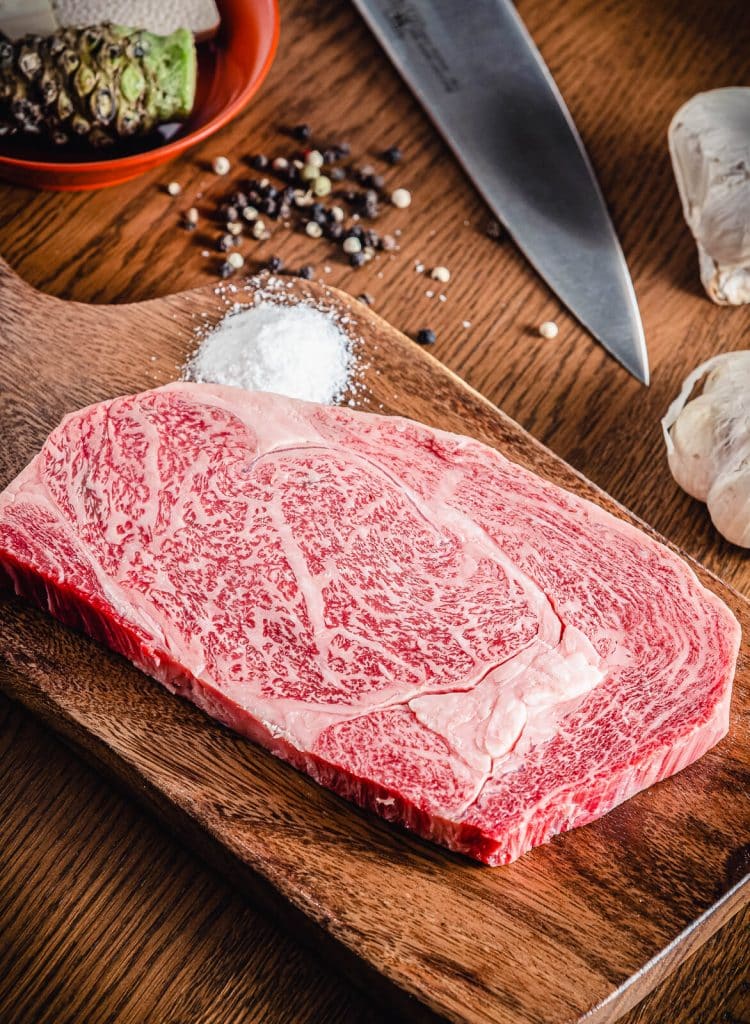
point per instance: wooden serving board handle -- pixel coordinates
(583, 927)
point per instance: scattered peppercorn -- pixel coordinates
(226, 269)
(322, 185)
(374, 181)
(426, 336)
(307, 272)
(366, 298)
(190, 217)
(494, 229)
(298, 197)
(174, 188)
(401, 198)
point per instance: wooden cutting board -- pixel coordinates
(581, 928)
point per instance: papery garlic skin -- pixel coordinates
(708, 442)
(709, 142)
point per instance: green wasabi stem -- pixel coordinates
(96, 84)
(165, 68)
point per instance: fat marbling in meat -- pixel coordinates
(418, 623)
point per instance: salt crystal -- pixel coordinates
(298, 351)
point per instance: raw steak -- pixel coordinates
(418, 623)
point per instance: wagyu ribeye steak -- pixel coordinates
(418, 623)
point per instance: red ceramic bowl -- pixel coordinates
(231, 68)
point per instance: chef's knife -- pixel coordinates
(474, 68)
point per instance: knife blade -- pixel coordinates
(476, 71)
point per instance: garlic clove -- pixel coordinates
(729, 505)
(692, 458)
(729, 376)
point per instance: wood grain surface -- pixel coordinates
(593, 921)
(624, 67)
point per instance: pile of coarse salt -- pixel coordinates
(293, 350)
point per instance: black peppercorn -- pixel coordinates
(275, 264)
(393, 155)
(374, 181)
(259, 162)
(356, 259)
(342, 148)
(240, 200)
(426, 336)
(226, 242)
(494, 230)
(228, 212)
(330, 156)
(306, 272)
(269, 207)
(302, 132)
(335, 231)
(226, 269)
(337, 174)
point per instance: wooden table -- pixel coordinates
(102, 915)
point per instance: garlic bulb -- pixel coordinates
(709, 141)
(708, 442)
